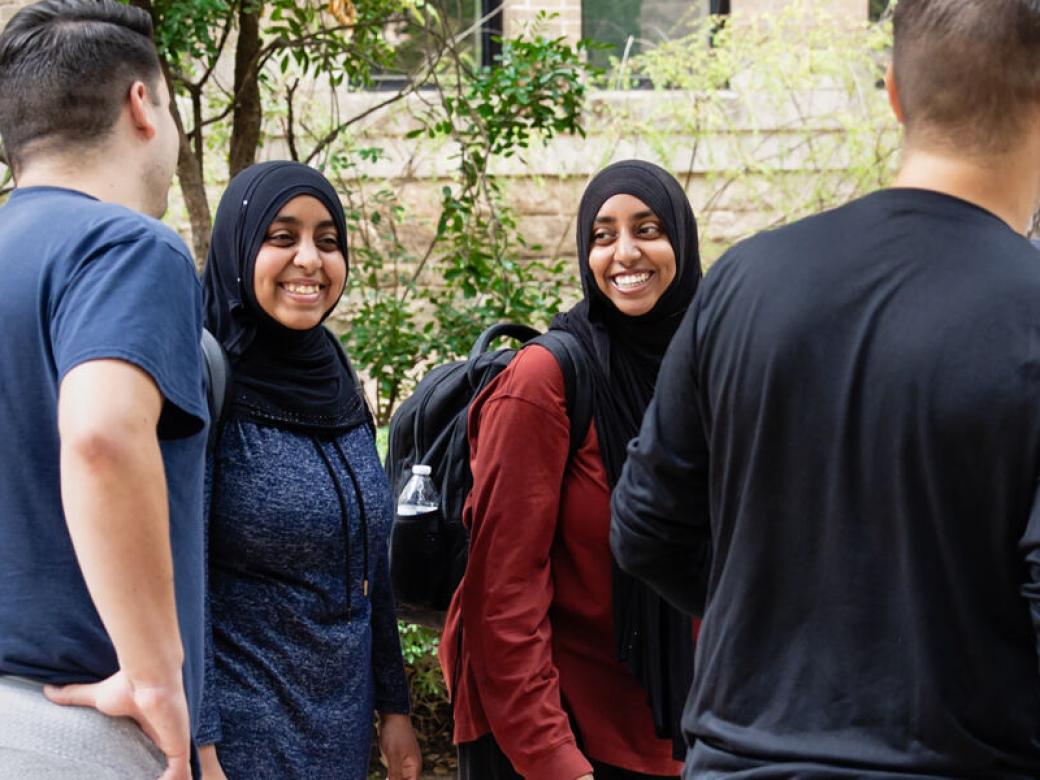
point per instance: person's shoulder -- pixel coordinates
(121, 224)
(533, 375)
(95, 225)
(535, 369)
(795, 240)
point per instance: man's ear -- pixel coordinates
(141, 110)
(893, 94)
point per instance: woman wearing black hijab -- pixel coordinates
(304, 644)
(562, 666)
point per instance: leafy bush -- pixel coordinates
(475, 276)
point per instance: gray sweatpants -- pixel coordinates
(39, 739)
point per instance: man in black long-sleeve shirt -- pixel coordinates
(848, 423)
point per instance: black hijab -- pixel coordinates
(654, 640)
(298, 379)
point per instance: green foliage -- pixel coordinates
(401, 322)
(419, 648)
(384, 338)
(190, 29)
(301, 37)
(783, 115)
(536, 90)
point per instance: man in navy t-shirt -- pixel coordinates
(102, 407)
(840, 467)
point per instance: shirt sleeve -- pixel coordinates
(391, 684)
(659, 530)
(518, 460)
(137, 300)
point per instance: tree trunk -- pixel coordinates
(245, 123)
(189, 165)
(193, 187)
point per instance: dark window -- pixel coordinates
(413, 44)
(637, 25)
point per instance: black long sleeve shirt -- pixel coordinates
(842, 460)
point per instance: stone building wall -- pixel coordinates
(567, 21)
(8, 8)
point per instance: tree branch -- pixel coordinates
(290, 126)
(335, 132)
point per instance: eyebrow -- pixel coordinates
(294, 222)
(637, 215)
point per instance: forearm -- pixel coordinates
(660, 531)
(114, 494)
(517, 681)
(117, 515)
(391, 683)
(652, 536)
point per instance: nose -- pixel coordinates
(626, 249)
(307, 258)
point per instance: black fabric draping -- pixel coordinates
(653, 639)
(298, 379)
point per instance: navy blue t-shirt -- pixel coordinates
(86, 280)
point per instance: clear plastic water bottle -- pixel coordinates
(419, 496)
(417, 546)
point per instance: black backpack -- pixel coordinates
(218, 370)
(429, 428)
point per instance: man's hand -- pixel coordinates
(160, 711)
(399, 747)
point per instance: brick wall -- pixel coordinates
(518, 14)
(854, 9)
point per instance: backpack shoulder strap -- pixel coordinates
(218, 369)
(577, 382)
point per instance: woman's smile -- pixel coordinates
(303, 291)
(632, 282)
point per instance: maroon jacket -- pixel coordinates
(536, 598)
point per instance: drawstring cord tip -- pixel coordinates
(364, 587)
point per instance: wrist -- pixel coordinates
(157, 674)
(391, 717)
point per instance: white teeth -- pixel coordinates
(631, 280)
(302, 289)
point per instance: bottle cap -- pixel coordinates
(421, 470)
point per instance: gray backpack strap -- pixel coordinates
(217, 372)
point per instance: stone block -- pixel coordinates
(853, 9)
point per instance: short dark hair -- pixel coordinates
(967, 71)
(65, 69)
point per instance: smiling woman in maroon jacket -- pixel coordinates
(569, 668)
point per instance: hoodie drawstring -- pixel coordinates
(344, 512)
